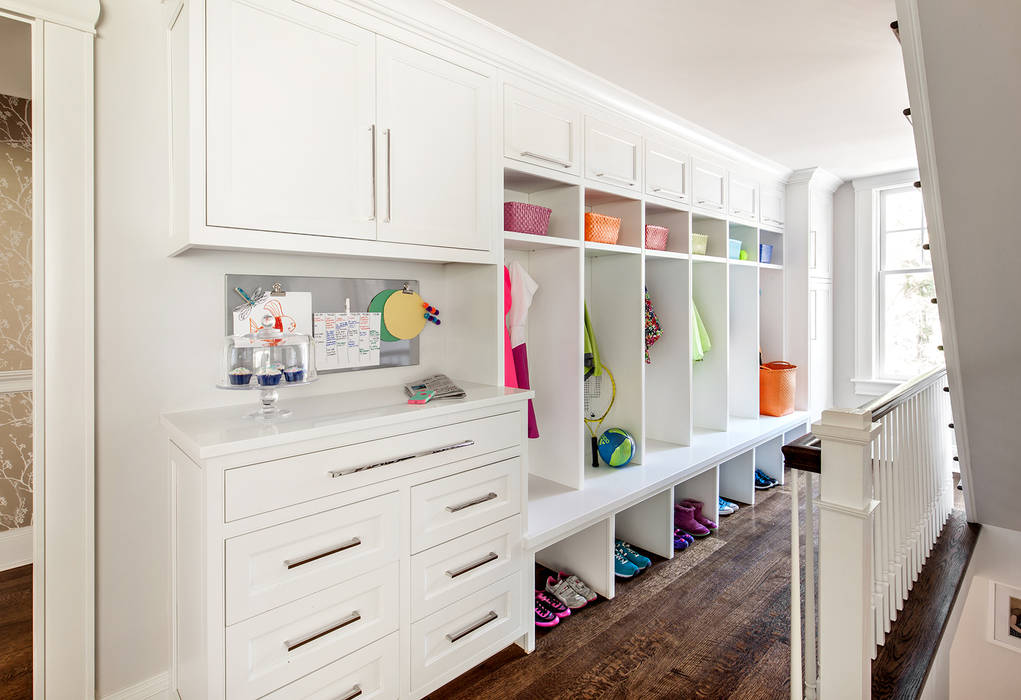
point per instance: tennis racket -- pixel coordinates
(600, 393)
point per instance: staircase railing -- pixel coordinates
(885, 492)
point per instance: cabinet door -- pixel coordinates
(613, 155)
(540, 131)
(709, 184)
(289, 105)
(773, 205)
(435, 151)
(744, 199)
(666, 172)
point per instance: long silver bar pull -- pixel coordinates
(351, 694)
(548, 159)
(607, 176)
(389, 200)
(473, 502)
(454, 573)
(657, 190)
(293, 644)
(372, 130)
(334, 473)
(464, 632)
(292, 563)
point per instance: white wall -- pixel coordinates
(967, 665)
(844, 395)
(159, 326)
(15, 58)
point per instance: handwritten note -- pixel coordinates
(344, 341)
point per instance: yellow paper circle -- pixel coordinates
(404, 315)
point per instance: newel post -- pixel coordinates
(846, 509)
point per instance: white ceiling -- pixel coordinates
(806, 83)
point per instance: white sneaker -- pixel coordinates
(565, 593)
(579, 586)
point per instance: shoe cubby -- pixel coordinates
(668, 405)
(769, 458)
(704, 487)
(648, 525)
(709, 377)
(776, 240)
(744, 341)
(749, 237)
(737, 478)
(615, 297)
(554, 343)
(628, 210)
(771, 315)
(564, 199)
(678, 221)
(716, 230)
(588, 554)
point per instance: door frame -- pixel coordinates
(63, 334)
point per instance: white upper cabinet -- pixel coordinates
(709, 185)
(773, 205)
(744, 199)
(540, 131)
(283, 152)
(613, 155)
(667, 171)
(435, 150)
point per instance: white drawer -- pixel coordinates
(446, 573)
(284, 644)
(447, 642)
(367, 674)
(446, 508)
(259, 488)
(613, 155)
(270, 567)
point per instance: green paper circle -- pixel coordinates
(376, 307)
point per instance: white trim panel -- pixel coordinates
(15, 547)
(156, 687)
(15, 380)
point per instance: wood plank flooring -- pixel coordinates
(714, 622)
(16, 633)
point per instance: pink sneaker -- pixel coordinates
(702, 520)
(684, 518)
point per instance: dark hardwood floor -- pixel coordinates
(714, 622)
(16, 633)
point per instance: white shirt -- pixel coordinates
(523, 288)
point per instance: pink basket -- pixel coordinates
(525, 218)
(655, 237)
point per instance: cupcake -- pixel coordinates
(294, 374)
(269, 377)
(239, 376)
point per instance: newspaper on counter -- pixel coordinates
(439, 383)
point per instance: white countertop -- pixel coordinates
(215, 432)
(555, 510)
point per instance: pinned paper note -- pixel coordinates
(292, 313)
(346, 340)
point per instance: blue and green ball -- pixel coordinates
(616, 447)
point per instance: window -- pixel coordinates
(908, 323)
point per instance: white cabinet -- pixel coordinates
(744, 199)
(820, 236)
(709, 185)
(667, 171)
(773, 208)
(283, 153)
(435, 131)
(540, 131)
(820, 331)
(613, 155)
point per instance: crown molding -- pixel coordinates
(817, 177)
(77, 14)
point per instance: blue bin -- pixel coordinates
(765, 253)
(734, 249)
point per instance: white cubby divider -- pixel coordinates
(668, 376)
(710, 376)
(771, 314)
(743, 379)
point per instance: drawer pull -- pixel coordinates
(608, 176)
(548, 159)
(464, 632)
(293, 644)
(334, 473)
(473, 502)
(292, 563)
(657, 190)
(474, 565)
(351, 694)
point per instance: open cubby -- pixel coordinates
(674, 219)
(554, 341)
(564, 199)
(668, 376)
(749, 237)
(703, 487)
(737, 478)
(771, 315)
(710, 292)
(716, 230)
(744, 342)
(776, 240)
(614, 295)
(648, 524)
(588, 554)
(769, 457)
(628, 210)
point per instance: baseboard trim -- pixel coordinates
(15, 547)
(155, 688)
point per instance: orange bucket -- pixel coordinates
(777, 384)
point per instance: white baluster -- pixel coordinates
(811, 667)
(796, 682)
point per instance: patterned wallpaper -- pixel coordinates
(15, 309)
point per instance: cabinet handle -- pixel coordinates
(293, 644)
(372, 130)
(474, 565)
(473, 502)
(351, 694)
(464, 632)
(548, 159)
(293, 563)
(607, 176)
(389, 200)
(666, 191)
(334, 473)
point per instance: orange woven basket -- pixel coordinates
(600, 228)
(777, 384)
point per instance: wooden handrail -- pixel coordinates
(805, 454)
